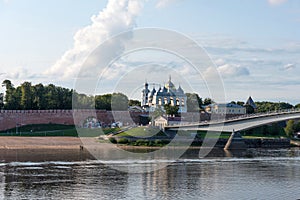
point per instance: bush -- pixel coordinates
(113, 140)
(142, 142)
(158, 142)
(122, 141)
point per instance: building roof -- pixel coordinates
(153, 92)
(169, 85)
(228, 105)
(172, 119)
(251, 103)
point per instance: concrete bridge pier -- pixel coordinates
(235, 142)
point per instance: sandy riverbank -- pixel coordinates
(40, 143)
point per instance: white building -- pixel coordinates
(163, 121)
(165, 95)
(226, 108)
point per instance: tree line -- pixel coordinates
(44, 97)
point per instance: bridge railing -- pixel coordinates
(241, 117)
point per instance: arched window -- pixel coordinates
(177, 102)
(172, 101)
(159, 101)
(182, 102)
(166, 100)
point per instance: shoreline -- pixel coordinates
(72, 143)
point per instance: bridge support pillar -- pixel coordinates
(235, 142)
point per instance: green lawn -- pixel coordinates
(142, 132)
(52, 130)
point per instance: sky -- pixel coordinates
(253, 44)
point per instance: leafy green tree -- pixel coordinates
(39, 101)
(297, 106)
(26, 98)
(103, 102)
(290, 128)
(83, 101)
(119, 101)
(1, 100)
(207, 101)
(266, 106)
(241, 103)
(194, 102)
(134, 102)
(10, 98)
(171, 110)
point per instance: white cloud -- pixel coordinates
(164, 3)
(277, 2)
(118, 16)
(20, 73)
(220, 62)
(231, 70)
(289, 66)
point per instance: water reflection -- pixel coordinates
(253, 174)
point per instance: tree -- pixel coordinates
(266, 106)
(26, 98)
(103, 102)
(207, 101)
(171, 110)
(39, 101)
(241, 103)
(290, 128)
(194, 102)
(297, 106)
(1, 100)
(119, 101)
(10, 95)
(134, 102)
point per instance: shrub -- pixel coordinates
(113, 140)
(158, 142)
(122, 141)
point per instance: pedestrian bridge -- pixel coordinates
(240, 123)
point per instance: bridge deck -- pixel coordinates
(240, 124)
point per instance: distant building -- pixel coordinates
(251, 103)
(164, 95)
(163, 121)
(225, 108)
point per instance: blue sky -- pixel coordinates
(255, 44)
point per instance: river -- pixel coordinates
(253, 174)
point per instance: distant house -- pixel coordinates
(163, 121)
(225, 108)
(251, 103)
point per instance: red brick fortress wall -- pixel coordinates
(11, 118)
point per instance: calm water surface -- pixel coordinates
(254, 174)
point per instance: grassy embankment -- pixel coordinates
(142, 136)
(54, 130)
(151, 136)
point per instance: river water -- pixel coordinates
(253, 174)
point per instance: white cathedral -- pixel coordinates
(164, 95)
